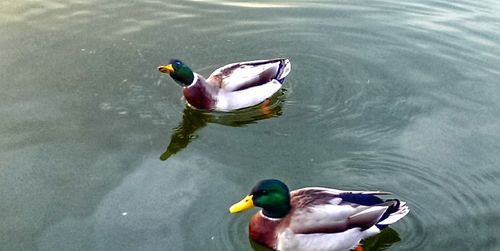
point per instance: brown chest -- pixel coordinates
(264, 230)
(199, 97)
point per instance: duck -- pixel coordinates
(316, 218)
(230, 87)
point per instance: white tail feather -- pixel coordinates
(403, 210)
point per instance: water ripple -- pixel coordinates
(235, 232)
(429, 189)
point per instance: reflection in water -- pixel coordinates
(257, 247)
(193, 120)
(379, 242)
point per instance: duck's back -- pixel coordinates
(243, 75)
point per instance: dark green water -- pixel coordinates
(383, 95)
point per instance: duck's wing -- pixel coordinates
(233, 100)
(323, 210)
(243, 75)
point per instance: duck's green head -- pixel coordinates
(180, 72)
(271, 195)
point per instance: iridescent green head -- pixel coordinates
(180, 72)
(271, 195)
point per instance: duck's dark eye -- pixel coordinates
(178, 63)
(264, 191)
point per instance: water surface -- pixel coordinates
(383, 95)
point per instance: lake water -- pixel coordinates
(99, 152)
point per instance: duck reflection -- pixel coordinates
(382, 241)
(193, 120)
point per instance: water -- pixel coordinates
(386, 95)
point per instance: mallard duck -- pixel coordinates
(316, 218)
(231, 87)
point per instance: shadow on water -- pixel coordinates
(193, 120)
(379, 242)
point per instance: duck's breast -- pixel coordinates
(264, 230)
(199, 96)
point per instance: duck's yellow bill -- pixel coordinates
(244, 204)
(166, 68)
